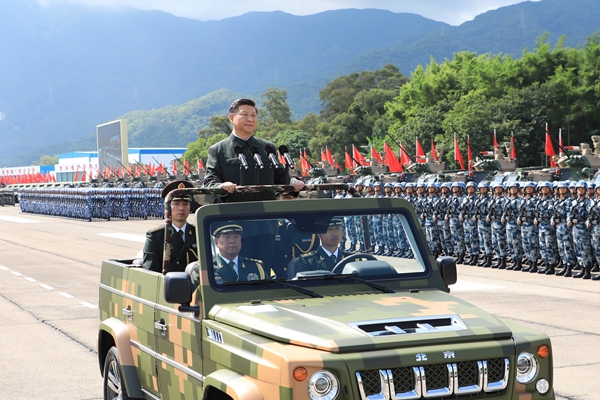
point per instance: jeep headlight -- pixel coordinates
(527, 367)
(323, 385)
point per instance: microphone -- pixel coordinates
(272, 157)
(283, 150)
(240, 153)
(257, 158)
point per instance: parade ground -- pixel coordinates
(49, 272)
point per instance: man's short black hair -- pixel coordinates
(241, 102)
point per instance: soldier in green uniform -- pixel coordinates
(223, 164)
(329, 253)
(228, 265)
(183, 241)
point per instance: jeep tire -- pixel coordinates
(113, 386)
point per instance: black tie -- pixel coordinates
(333, 258)
(181, 234)
(232, 265)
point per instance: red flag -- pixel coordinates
(329, 156)
(376, 155)
(76, 174)
(200, 164)
(360, 159)
(457, 155)
(323, 156)
(347, 159)
(433, 151)
(390, 159)
(495, 141)
(513, 151)
(420, 152)
(175, 166)
(187, 166)
(279, 156)
(404, 158)
(549, 148)
(304, 163)
(469, 154)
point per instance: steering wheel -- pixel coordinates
(339, 267)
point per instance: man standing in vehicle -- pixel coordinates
(224, 167)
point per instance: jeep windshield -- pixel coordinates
(313, 248)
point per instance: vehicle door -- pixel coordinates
(179, 338)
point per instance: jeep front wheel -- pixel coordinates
(114, 389)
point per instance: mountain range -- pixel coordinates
(66, 68)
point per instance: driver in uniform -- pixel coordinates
(329, 253)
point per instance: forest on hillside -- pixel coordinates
(471, 93)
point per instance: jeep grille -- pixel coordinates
(446, 381)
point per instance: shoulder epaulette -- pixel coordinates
(253, 259)
(156, 229)
(312, 253)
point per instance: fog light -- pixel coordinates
(542, 386)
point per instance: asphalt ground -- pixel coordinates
(49, 272)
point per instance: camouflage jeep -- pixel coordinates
(370, 328)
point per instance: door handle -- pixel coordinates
(161, 326)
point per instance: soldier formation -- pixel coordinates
(550, 228)
(100, 203)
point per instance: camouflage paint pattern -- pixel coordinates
(247, 343)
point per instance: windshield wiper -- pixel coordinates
(281, 282)
(360, 280)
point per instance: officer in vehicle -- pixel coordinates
(183, 242)
(329, 253)
(228, 265)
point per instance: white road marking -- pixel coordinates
(30, 279)
(67, 295)
(16, 273)
(19, 220)
(4, 268)
(464, 286)
(46, 286)
(125, 236)
(88, 305)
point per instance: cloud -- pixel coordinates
(453, 12)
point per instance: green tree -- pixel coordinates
(47, 160)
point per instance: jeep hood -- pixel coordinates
(346, 323)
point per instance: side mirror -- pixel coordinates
(447, 267)
(178, 290)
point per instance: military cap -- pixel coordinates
(389, 184)
(226, 227)
(562, 184)
(447, 185)
(456, 184)
(483, 185)
(377, 183)
(177, 185)
(335, 221)
(581, 184)
(513, 184)
(590, 185)
(472, 184)
(573, 184)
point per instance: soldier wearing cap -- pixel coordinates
(329, 253)
(183, 246)
(228, 265)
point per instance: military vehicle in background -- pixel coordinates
(373, 327)
(481, 168)
(574, 163)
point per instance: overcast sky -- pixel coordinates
(453, 12)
